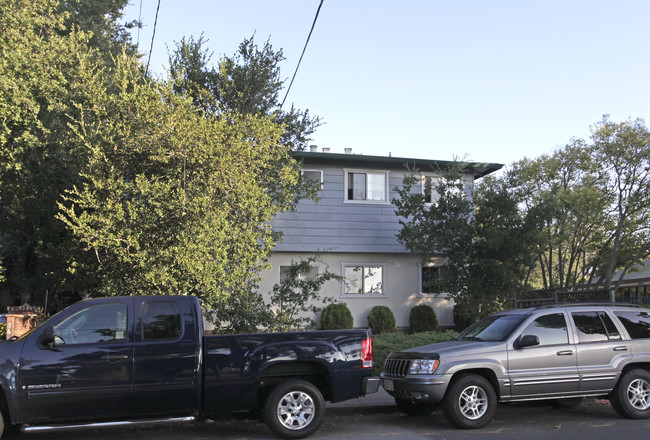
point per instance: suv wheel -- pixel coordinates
(470, 402)
(631, 396)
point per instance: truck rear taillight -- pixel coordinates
(366, 353)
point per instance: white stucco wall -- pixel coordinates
(401, 285)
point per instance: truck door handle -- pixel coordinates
(620, 348)
(115, 357)
(565, 353)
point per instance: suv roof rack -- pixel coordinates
(606, 304)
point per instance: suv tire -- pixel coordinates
(470, 402)
(631, 395)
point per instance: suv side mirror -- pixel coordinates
(46, 339)
(526, 341)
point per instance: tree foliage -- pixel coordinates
(42, 76)
(174, 202)
(249, 82)
(481, 236)
(589, 202)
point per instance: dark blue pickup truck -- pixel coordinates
(127, 360)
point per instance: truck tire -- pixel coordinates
(415, 409)
(631, 395)
(470, 402)
(2, 424)
(294, 409)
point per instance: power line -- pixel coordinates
(155, 23)
(303, 52)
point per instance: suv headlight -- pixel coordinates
(424, 366)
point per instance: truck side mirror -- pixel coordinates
(46, 339)
(526, 341)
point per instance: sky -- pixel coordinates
(480, 80)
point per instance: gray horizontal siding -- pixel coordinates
(333, 224)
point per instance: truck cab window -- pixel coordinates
(160, 320)
(97, 323)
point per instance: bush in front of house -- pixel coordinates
(336, 316)
(381, 320)
(385, 344)
(465, 314)
(423, 319)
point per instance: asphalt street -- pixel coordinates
(375, 418)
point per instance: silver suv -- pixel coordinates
(562, 353)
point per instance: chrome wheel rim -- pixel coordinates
(638, 394)
(296, 410)
(473, 402)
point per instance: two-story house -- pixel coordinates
(353, 226)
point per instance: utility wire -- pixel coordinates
(155, 23)
(303, 52)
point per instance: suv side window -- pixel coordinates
(550, 329)
(637, 324)
(594, 327)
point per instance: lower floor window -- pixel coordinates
(363, 279)
(430, 279)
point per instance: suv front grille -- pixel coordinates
(397, 367)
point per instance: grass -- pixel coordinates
(385, 343)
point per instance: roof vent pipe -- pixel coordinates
(313, 148)
(326, 149)
(348, 151)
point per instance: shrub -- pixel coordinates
(385, 344)
(423, 319)
(336, 316)
(381, 320)
(465, 314)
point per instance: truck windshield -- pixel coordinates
(494, 328)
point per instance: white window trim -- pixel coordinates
(386, 173)
(364, 295)
(435, 178)
(314, 171)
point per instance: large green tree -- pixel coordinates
(590, 203)
(482, 236)
(248, 82)
(42, 69)
(174, 202)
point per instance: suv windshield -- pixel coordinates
(492, 329)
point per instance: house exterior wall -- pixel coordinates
(401, 289)
(347, 230)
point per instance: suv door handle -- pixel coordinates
(620, 348)
(565, 353)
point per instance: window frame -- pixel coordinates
(346, 185)
(314, 170)
(364, 265)
(314, 272)
(421, 291)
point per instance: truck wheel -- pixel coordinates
(294, 409)
(415, 409)
(2, 424)
(631, 395)
(470, 402)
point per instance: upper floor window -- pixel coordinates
(363, 279)
(366, 186)
(314, 175)
(430, 186)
